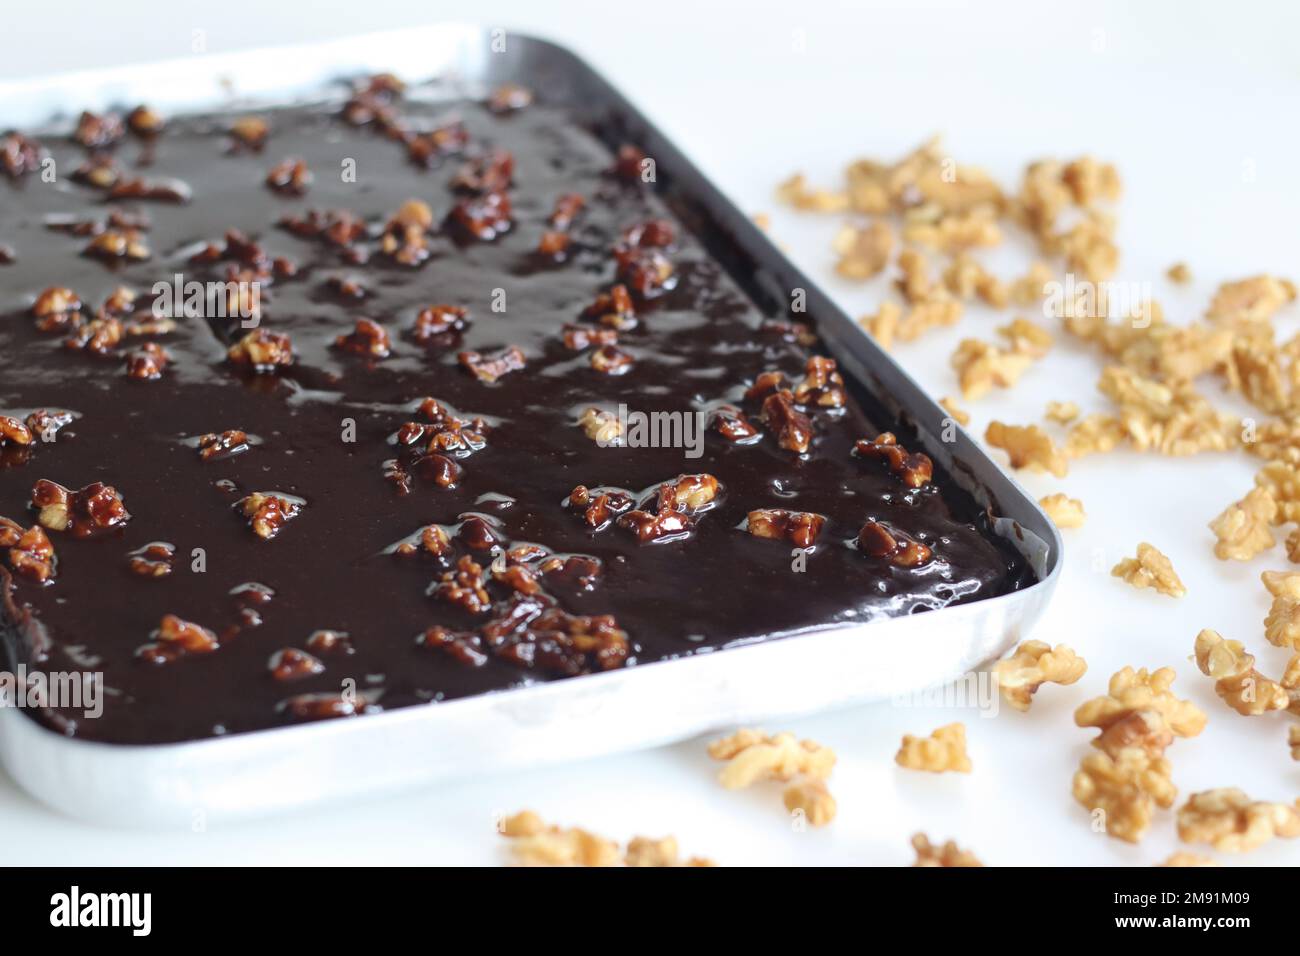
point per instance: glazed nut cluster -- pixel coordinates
(1138, 718)
(752, 755)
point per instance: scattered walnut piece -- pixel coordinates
(1126, 788)
(796, 192)
(943, 750)
(1033, 664)
(1231, 822)
(1131, 692)
(753, 755)
(959, 414)
(1180, 273)
(1250, 300)
(1150, 569)
(1065, 512)
(933, 313)
(1028, 446)
(980, 366)
(1062, 412)
(1244, 529)
(1293, 740)
(864, 252)
(965, 278)
(946, 854)
(883, 326)
(1241, 687)
(1181, 859)
(1026, 338)
(533, 843)
(1095, 434)
(811, 798)
(800, 528)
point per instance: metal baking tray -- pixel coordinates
(644, 706)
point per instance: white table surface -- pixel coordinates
(1197, 103)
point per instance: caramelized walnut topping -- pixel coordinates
(915, 470)
(98, 132)
(154, 560)
(337, 227)
(599, 505)
(439, 324)
(1150, 569)
(59, 304)
(248, 133)
(405, 236)
(485, 174)
(431, 539)
(176, 638)
(152, 190)
(894, 546)
(328, 706)
(943, 750)
(793, 428)
(602, 427)
(427, 149)
(31, 555)
(291, 664)
(800, 528)
(95, 508)
(490, 367)
(482, 217)
(144, 122)
(146, 364)
(118, 244)
(369, 338)
(98, 336)
(614, 309)
(688, 493)
(554, 245)
(45, 424)
(822, 384)
(1031, 666)
(14, 432)
(262, 350)
(567, 208)
(465, 647)
(99, 171)
(330, 642)
(373, 101)
(465, 587)
(19, 154)
(732, 424)
(228, 444)
(509, 97)
(629, 163)
(534, 636)
(611, 360)
(290, 177)
(646, 272)
(269, 512)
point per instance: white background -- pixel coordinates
(1196, 102)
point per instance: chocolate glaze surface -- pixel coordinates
(323, 427)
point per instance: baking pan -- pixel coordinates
(643, 706)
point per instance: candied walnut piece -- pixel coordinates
(486, 174)
(292, 664)
(730, 422)
(753, 755)
(630, 163)
(864, 252)
(1028, 446)
(465, 647)
(611, 360)
(175, 638)
(1244, 529)
(248, 133)
(57, 307)
(369, 338)
(262, 351)
(19, 154)
(567, 208)
(482, 217)
(330, 642)
(154, 560)
(14, 432)
(328, 706)
(99, 337)
(602, 427)
(405, 236)
(600, 505)
(144, 122)
(228, 444)
(465, 586)
(1033, 664)
(914, 470)
(10, 532)
(948, 854)
(290, 177)
(146, 364)
(822, 385)
(153, 190)
(800, 528)
(614, 309)
(46, 424)
(1236, 681)
(812, 799)
(895, 547)
(1231, 822)
(687, 493)
(657, 526)
(490, 367)
(1065, 512)
(428, 149)
(793, 428)
(1150, 569)
(94, 508)
(943, 750)
(439, 324)
(647, 272)
(268, 512)
(99, 171)
(98, 132)
(509, 97)
(31, 555)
